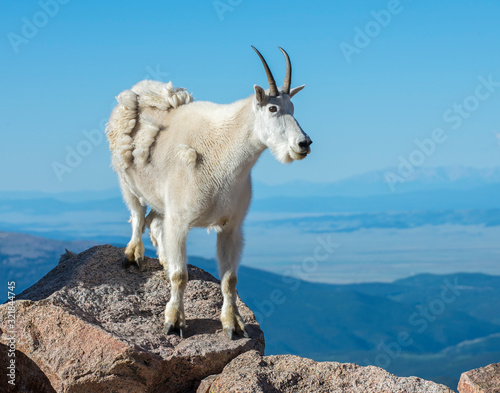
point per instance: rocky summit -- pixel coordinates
(91, 326)
(252, 373)
(481, 380)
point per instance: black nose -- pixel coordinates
(305, 144)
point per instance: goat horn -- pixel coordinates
(273, 90)
(288, 75)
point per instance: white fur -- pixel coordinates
(145, 140)
(191, 162)
(120, 137)
(160, 95)
(147, 93)
(187, 154)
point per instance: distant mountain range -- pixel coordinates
(372, 183)
(446, 188)
(331, 223)
(456, 178)
(485, 197)
(25, 258)
(432, 326)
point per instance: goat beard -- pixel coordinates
(282, 154)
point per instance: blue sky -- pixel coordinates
(363, 114)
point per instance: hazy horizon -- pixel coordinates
(355, 176)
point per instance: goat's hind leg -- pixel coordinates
(135, 248)
(154, 221)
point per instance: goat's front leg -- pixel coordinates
(174, 241)
(229, 246)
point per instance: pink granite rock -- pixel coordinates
(481, 380)
(252, 373)
(91, 326)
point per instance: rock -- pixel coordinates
(91, 326)
(33, 379)
(481, 380)
(252, 373)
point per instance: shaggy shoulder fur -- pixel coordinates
(131, 135)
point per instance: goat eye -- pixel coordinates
(272, 109)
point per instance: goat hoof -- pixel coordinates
(126, 263)
(237, 328)
(170, 328)
(139, 263)
(229, 331)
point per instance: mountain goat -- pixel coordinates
(190, 162)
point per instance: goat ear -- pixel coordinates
(260, 94)
(295, 90)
